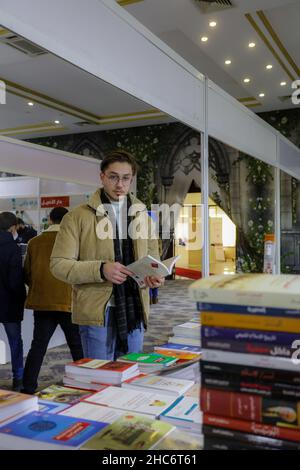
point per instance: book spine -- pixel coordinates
(255, 336)
(248, 373)
(248, 309)
(235, 320)
(233, 435)
(256, 360)
(250, 407)
(218, 443)
(272, 350)
(282, 391)
(276, 432)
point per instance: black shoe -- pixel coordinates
(17, 385)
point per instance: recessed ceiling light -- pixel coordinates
(251, 44)
(213, 24)
(56, 121)
(261, 95)
(269, 67)
(227, 62)
(283, 84)
(30, 103)
(247, 80)
(204, 38)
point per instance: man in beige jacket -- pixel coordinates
(96, 242)
(50, 299)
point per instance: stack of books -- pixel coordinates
(185, 414)
(149, 362)
(47, 431)
(95, 374)
(250, 377)
(158, 383)
(137, 401)
(187, 333)
(14, 404)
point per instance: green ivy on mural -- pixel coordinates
(260, 221)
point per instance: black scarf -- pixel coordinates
(128, 311)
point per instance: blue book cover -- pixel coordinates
(181, 347)
(51, 406)
(248, 309)
(53, 429)
(255, 336)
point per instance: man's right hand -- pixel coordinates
(115, 272)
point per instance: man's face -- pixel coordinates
(116, 180)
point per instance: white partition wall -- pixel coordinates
(24, 158)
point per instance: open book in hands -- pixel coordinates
(149, 266)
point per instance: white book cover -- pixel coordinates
(185, 340)
(149, 266)
(255, 360)
(190, 329)
(184, 410)
(93, 412)
(132, 400)
(164, 384)
(278, 290)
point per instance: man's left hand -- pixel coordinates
(152, 281)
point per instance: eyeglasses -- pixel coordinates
(116, 179)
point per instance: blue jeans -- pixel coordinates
(99, 342)
(13, 332)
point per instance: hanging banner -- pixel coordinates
(55, 201)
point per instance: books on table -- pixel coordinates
(52, 407)
(159, 383)
(184, 340)
(14, 403)
(184, 413)
(130, 432)
(180, 348)
(188, 329)
(149, 362)
(180, 440)
(105, 372)
(83, 383)
(149, 266)
(149, 403)
(42, 431)
(93, 412)
(60, 394)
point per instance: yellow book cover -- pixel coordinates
(278, 291)
(255, 322)
(129, 432)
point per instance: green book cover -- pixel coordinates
(129, 432)
(152, 359)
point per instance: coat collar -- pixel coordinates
(53, 228)
(95, 203)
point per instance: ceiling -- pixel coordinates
(82, 103)
(273, 25)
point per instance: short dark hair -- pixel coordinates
(57, 214)
(119, 156)
(20, 221)
(7, 220)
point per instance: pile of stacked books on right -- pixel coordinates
(250, 370)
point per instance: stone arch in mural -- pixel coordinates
(182, 167)
(88, 148)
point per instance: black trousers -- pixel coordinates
(45, 324)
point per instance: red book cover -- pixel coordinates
(250, 407)
(289, 433)
(115, 366)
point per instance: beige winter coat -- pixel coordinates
(78, 253)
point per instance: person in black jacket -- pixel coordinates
(12, 293)
(25, 232)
